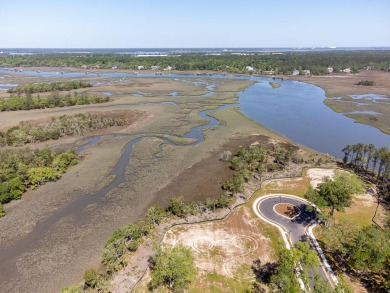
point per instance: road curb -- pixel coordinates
(309, 231)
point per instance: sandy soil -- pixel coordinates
(222, 247)
(317, 175)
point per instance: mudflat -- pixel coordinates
(50, 236)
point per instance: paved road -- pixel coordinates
(296, 227)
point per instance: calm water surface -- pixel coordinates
(296, 110)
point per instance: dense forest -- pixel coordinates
(282, 63)
(65, 125)
(28, 102)
(22, 169)
(32, 88)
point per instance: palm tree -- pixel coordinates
(347, 152)
(383, 154)
(375, 157)
(370, 152)
(358, 157)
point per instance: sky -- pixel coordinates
(193, 23)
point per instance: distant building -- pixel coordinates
(155, 67)
(347, 70)
(168, 68)
(114, 67)
(295, 72)
(140, 67)
(306, 72)
(249, 68)
(330, 69)
(270, 72)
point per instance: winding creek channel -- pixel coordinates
(295, 110)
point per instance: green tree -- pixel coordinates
(172, 266)
(370, 249)
(92, 278)
(284, 280)
(321, 286)
(336, 194)
(177, 207)
(155, 214)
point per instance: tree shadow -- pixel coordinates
(305, 217)
(264, 272)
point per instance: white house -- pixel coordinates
(295, 72)
(249, 68)
(155, 67)
(140, 67)
(347, 70)
(306, 72)
(168, 68)
(330, 69)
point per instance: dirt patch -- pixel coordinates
(287, 210)
(317, 175)
(223, 246)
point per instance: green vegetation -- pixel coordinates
(256, 160)
(285, 63)
(281, 277)
(360, 155)
(351, 242)
(173, 267)
(336, 193)
(28, 102)
(24, 168)
(32, 88)
(366, 83)
(66, 125)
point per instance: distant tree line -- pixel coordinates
(285, 63)
(55, 99)
(22, 169)
(32, 88)
(65, 125)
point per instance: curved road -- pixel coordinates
(293, 230)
